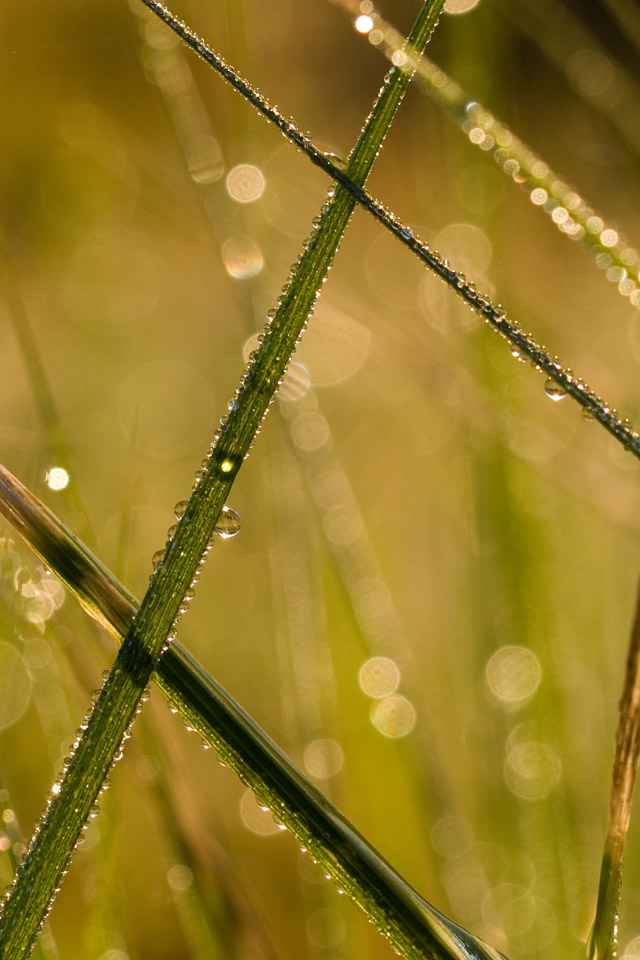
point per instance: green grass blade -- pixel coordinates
(494, 314)
(570, 212)
(105, 727)
(564, 38)
(602, 939)
(411, 924)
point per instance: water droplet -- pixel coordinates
(228, 524)
(554, 390)
(337, 160)
(180, 508)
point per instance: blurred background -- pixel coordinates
(429, 600)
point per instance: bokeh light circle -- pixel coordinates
(15, 686)
(394, 717)
(323, 758)
(513, 673)
(245, 183)
(379, 677)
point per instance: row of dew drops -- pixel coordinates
(567, 209)
(522, 344)
(226, 527)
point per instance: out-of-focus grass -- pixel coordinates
(478, 514)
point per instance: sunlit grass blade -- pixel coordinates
(411, 924)
(602, 940)
(494, 314)
(580, 56)
(568, 210)
(105, 727)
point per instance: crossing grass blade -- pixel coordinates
(105, 727)
(410, 922)
(564, 380)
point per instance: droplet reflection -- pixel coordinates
(228, 524)
(554, 390)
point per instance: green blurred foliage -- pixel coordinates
(424, 503)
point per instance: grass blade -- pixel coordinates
(602, 939)
(411, 924)
(494, 314)
(569, 211)
(105, 727)
(565, 39)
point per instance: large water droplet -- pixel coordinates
(554, 390)
(337, 160)
(228, 524)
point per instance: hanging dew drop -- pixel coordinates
(228, 524)
(337, 161)
(554, 390)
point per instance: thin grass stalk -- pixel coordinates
(571, 213)
(495, 315)
(602, 940)
(566, 41)
(409, 921)
(108, 724)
